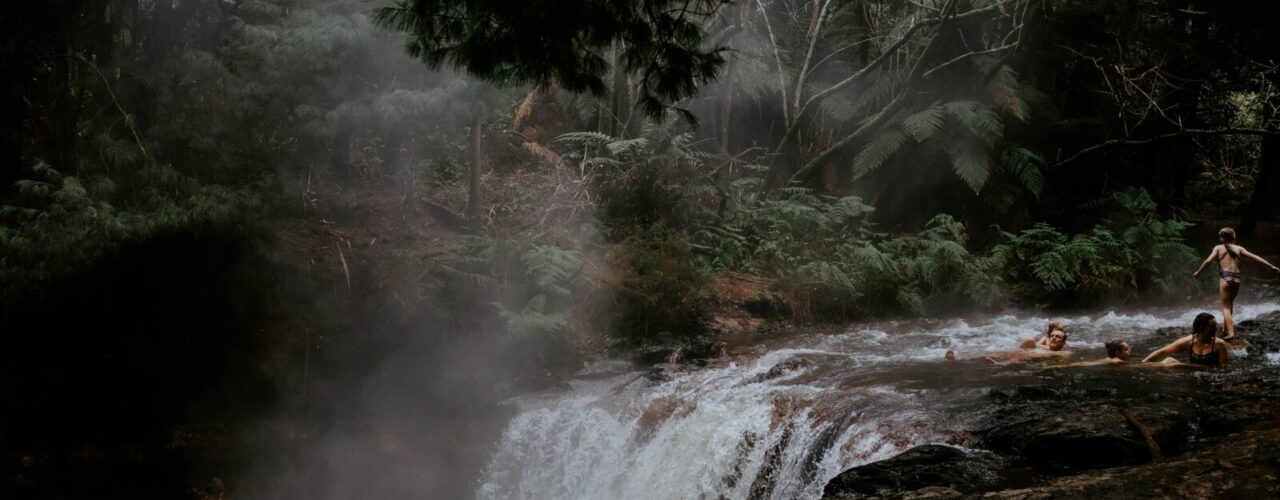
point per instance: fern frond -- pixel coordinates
(1005, 89)
(849, 208)
(586, 138)
(970, 162)
(1025, 166)
(878, 151)
(980, 118)
(627, 146)
(925, 124)
(551, 267)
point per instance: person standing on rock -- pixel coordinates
(1228, 256)
(1203, 345)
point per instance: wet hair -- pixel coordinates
(1201, 324)
(1227, 235)
(1114, 348)
(1054, 326)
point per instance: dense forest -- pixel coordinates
(245, 244)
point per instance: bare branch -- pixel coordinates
(1170, 135)
(815, 28)
(782, 78)
(967, 55)
(893, 49)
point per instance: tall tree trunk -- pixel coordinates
(1263, 203)
(14, 71)
(473, 186)
(65, 114)
(620, 102)
(725, 117)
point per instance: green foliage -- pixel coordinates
(968, 132)
(662, 286)
(533, 319)
(58, 225)
(1131, 250)
(551, 267)
(661, 42)
(828, 264)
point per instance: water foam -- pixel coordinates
(777, 426)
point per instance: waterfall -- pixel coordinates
(774, 423)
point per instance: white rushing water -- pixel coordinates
(775, 421)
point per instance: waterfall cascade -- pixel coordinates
(777, 421)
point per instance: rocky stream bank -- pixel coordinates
(1107, 432)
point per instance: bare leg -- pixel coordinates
(1228, 295)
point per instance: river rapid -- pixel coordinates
(779, 419)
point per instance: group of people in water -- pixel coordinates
(1203, 346)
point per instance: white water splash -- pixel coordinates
(778, 426)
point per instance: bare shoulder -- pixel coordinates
(1221, 343)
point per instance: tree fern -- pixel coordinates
(1005, 89)
(551, 267)
(533, 319)
(971, 163)
(1025, 166)
(848, 209)
(925, 124)
(878, 151)
(979, 118)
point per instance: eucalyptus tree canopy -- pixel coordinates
(565, 42)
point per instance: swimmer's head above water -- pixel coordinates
(1057, 340)
(1119, 349)
(1204, 327)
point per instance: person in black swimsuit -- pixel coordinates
(1228, 256)
(1203, 346)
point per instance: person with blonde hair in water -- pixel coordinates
(1228, 256)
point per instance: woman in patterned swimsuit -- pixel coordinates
(1228, 256)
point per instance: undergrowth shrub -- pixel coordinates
(1132, 249)
(828, 262)
(662, 291)
(57, 224)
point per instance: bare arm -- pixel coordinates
(1257, 259)
(1096, 362)
(1175, 347)
(1223, 347)
(1212, 254)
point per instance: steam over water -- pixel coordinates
(778, 420)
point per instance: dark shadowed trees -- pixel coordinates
(568, 43)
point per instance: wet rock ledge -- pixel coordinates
(1080, 439)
